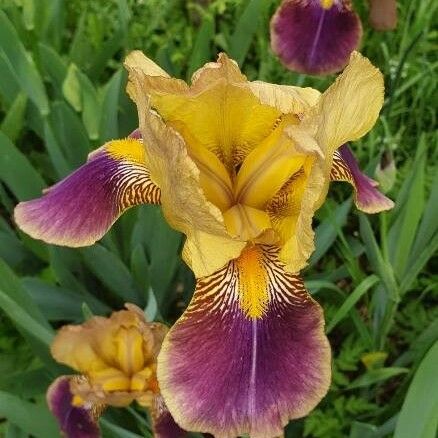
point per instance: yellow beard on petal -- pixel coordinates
(327, 4)
(253, 282)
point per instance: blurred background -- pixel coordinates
(62, 94)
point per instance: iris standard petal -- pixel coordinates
(315, 37)
(80, 209)
(349, 108)
(218, 111)
(288, 99)
(366, 197)
(74, 421)
(248, 354)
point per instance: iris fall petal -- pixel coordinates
(248, 354)
(74, 421)
(80, 209)
(315, 37)
(367, 198)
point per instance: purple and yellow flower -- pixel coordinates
(116, 359)
(315, 36)
(240, 168)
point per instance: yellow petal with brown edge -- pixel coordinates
(349, 108)
(288, 99)
(292, 211)
(154, 78)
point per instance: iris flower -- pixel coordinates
(315, 36)
(240, 168)
(116, 358)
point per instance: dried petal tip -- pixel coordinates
(74, 421)
(383, 14)
(315, 36)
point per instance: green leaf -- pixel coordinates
(21, 64)
(375, 258)
(202, 48)
(13, 123)
(327, 231)
(402, 234)
(62, 167)
(53, 65)
(71, 88)
(429, 223)
(11, 286)
(111, 271)
(58, 304)
(419, 414)
(13, 431)
(151, 309)
(376, 376)
(245, 30)
(17, 172)
(114, 431)
(24, 320)
(363, 430)
(110, 107)
(347, 305)
(91, 111)
(32, 418)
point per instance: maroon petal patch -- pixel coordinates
(312, 39)
(367, 197)
(224, 372)
(74, 422)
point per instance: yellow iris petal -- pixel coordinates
(111, 379)
(350, 107)
(214, 178)
(130, 356)
(266, 169)
(226, 119)
(246, 223)
(205, 253)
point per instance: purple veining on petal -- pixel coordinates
(74, 422)
(368, 198)
(224, 373)
(313, 40)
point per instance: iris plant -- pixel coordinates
(240, 168)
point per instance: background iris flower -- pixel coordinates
(116, 358)
(240, 168)
(317, 36)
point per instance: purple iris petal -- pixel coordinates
(81, 208)
(227, 374)
(74, 422)
(164, 424)
(367, 197)
(311, 39)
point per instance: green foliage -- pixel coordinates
(62, 95)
